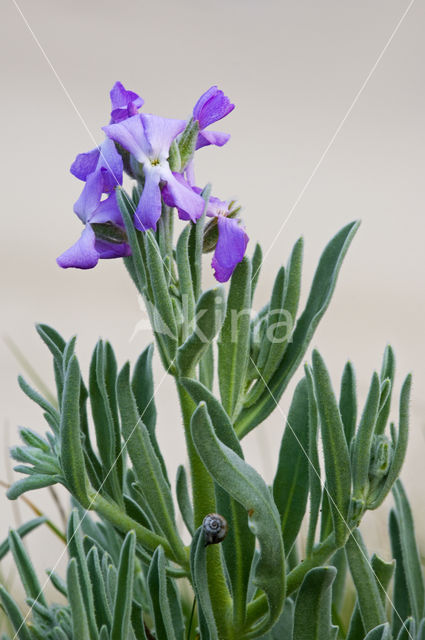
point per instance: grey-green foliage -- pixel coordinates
(128, 570)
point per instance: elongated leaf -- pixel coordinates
(36, 481)
(291, 483)
(234, 339)
(101, 606)
(283, 628)
(312, 618)
(371, 608)
(185, 282)
(408, 630)
(363, 441)
(348, 401)
(381, 632)
(421, 631)
(166, 625)
(383, 573)
(387, 373)
(22, 531)
(124, 592)
(72, 457)
(257, 258)
(244, 484)
(196, 241)
(134, 262)
(14, 615)
(402, 607)
(337, 459)
(146, 464)
(410, 553)
(80, 627)
(183, 499)
(318, 301)
(210, 312)
(26, 570)
(315, 485)
(206, 367)
(38, 399)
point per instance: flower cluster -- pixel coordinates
(159, 154)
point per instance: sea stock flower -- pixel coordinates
(148, 138)
(103, 235)
(125, 104)
(212, 106)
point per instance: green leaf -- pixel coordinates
(22, 531)
(146, 464)
(166, 606)
(381, 632)
(283, 628)
(38, 399)
(196, 241)
(257, 258)
(208, 321)
(291, 483)
(318, 301)
(14, 615)
(124, 594)
(312, 618)
(206, 367)
(387, 373)
(371, 608)
(198, 567)
(383, 573)
(363, 441)
(410, 553)
(72, 457)
(233, 346)
(101, 606)
(183, 499)
(135, 261)
(402, 607)
(246, 486)
(36, 481)
(80, 627)
(315, 484)
(337, 459)
(408, 630)
(25, 568)
(348, 402)
(185, 281)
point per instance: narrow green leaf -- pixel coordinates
(257, 258)
(312, 617)
(135, 261)
(381, 632)
(348, 402)
(166, 607)
(101, 606)
(14, 615)
(371, 608)
(72, 457)
(245, 485)
(185, 282)
(58, 583)
(383, 573)
(124, 593)
(183, 499)
(421, 631)
(25, 568)
(363, 441)
(283, 629)
(22, 531)
(196, 241)
(410, 553)
(36, 481)
(337, 459)
(402, 607)
(234, 339)
(80, 627)
(291, 482)
(408, 630)
(315, 484)
(206, 367)
(209, 318)
(38, 399)
(387, 373)
(318, 301)
(198, 567)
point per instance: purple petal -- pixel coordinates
(82, 254)
(161, 132)
(90, 196)
(177, 193)
(130, 134)
(85, 163)
(110, 164)
(148, 210)
(108, 211)
(124, 103)
(218, 138)
(111, 250)
(230, 249)
(213, 105)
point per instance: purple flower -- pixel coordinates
(212, 106)
(104, 160)
(92, 211)
(125, 104)
(232, 240)
(148, 138)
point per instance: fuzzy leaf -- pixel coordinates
(183, 499)
(312, 618)
(381, 632)
(80, 625)
(124, 593)
(25, 568)
(348, 402)
(363, 440)
(167, 627)
(14, 615)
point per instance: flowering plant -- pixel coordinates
(257, 565)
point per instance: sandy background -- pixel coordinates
(293, 69)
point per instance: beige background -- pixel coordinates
(293, 70)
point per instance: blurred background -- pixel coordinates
(293, 70)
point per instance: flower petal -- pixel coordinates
(177, 193)
(218, 138)
(149, 208)
(85, 163)
(90, 196)
(230, 249)
(161, 132)
(213, 105)
(111, 250)
(130, 134)
(110, 164)
(82, 254)
(108, 211)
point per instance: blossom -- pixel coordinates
(103, 235)
(212, 106)
(148, 138)
(104, 160)
(125, 104)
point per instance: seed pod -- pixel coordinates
(215, 528)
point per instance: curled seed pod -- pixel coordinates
(215, 528)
